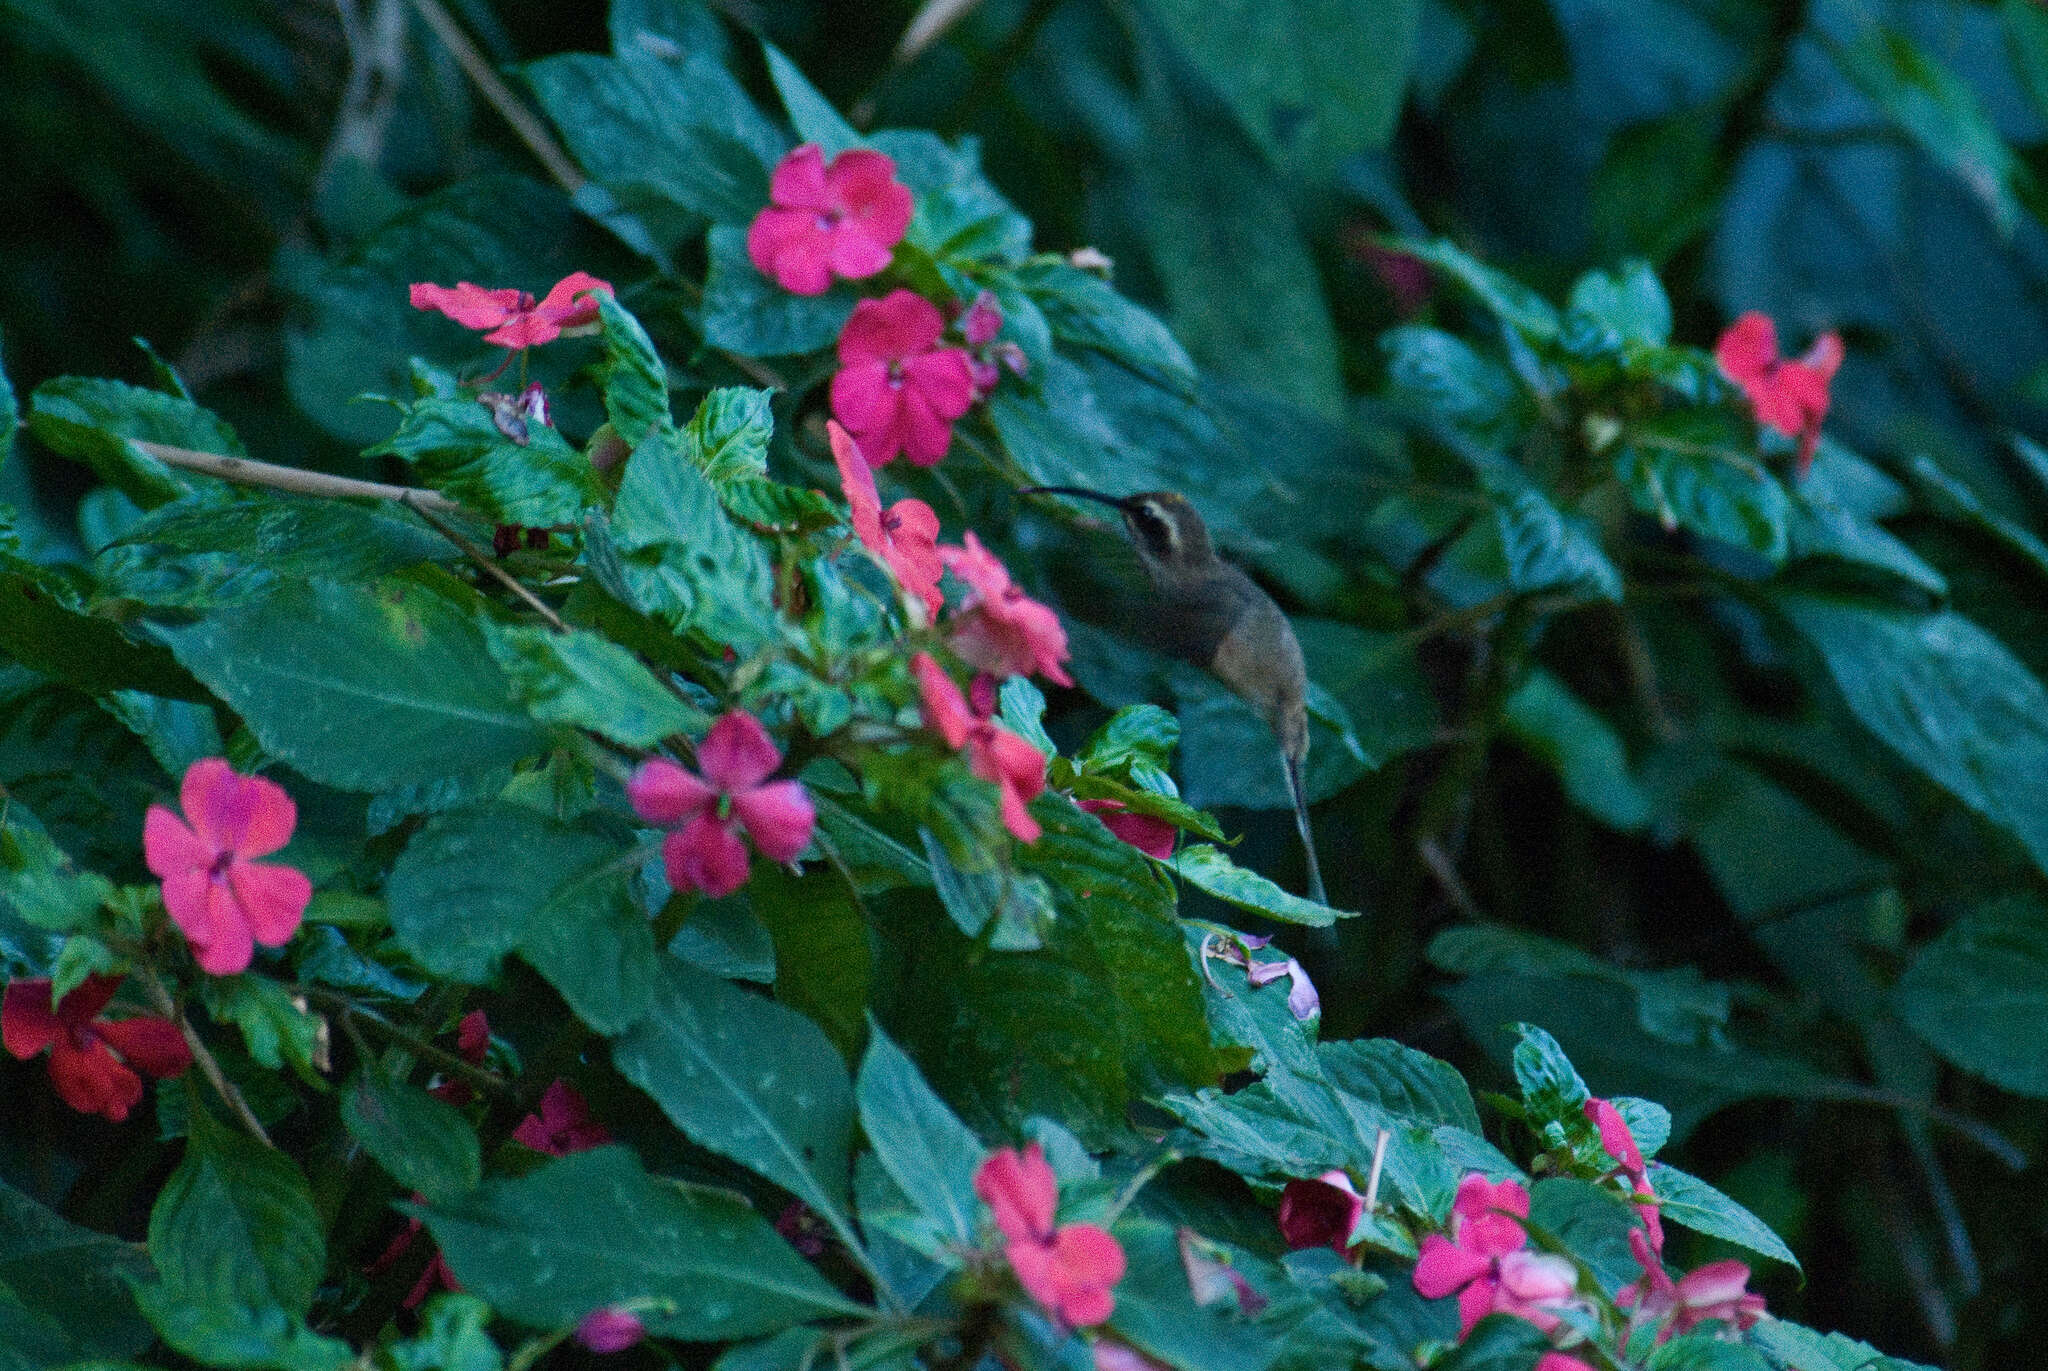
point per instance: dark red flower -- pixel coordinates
(562, 1124)
(90, 1057)
(896, 390)
(1151, 836)
(840, 218)
(1321, 1212)
(1789, 396)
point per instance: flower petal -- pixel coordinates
(28, 1023)
(705, 855)
(468, 305)
(945, 708)
(1442, 1267)
(1748, 349)
(857, 482)
(779, 818)
(92, 1081)
(863, 183)
(246, 815)
(945, 380)
(799, 180)
(788, 247)
(563, 305)
(737, 753)
(272, 899)
(863, 399)
(148, 1044)
(524, 330)
(170, 846)
(853, 254)
(1020, 1190)
(663, 793)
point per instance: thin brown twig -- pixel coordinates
(243, 471)
(451, 1062)
(489, 565)
(209, 1067)
(499, 95)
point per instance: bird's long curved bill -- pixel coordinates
(1075, 491)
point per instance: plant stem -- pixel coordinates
(299, 481)
(208, 1066)
(499, 96)
(488, 563)
(451, 1062)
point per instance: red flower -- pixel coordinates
(1153, 837)
(562, 1125)
(1073, 1269)
(473, 1042)
(904, 536)
(1485, 1228)
(999, 629)
(897, 390)
(1321, 1212)
(515, 318)
(1718, 1290)
(1789, 396)
(704, 852)
(609, 1330)
(90, 1057)
(825, 220)
(1558, 1361)
(1620, 1144)
(221, 900)
(994, 753)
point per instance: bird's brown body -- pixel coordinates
(1212, 614)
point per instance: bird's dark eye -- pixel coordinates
(1152, 529)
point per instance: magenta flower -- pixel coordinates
(1620, 1144)
(897, 390)
(904, 537)
(221, 900)
(609, 1330)
(562, 1124)
(1321, 1212)
(515, 318)
(1718, 1290)
(1559, 1361)
(1485, 1227)
(998, 628)
(1071, 1269)
(704, 851)
(92, 1060)
(1151, 836)
(994, 753)
(841, 218)
(1788, 395)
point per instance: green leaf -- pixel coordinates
(1628, 306)
(1314, 82)
(91, 421)
(682, 556)
(1547, 550)
(1550, 1084)
(824, 964)
(1948, 697)
(1690, 1201)
(1083, 309)
(1581, 746)
(422, 1142)
(235, 1224)
(454, 1336)
(593, 942)
(1591, 1222)
(593, 1229)
(1722, 495)
(1517, 305)
(1707, 1351)
(360, 687)
(1141, 735)
(746, 313)
(1241, 288)
(38, 882)
(44, 626)
(918, 1140)
(633, 380)
(2026, 38)
(812, 114)
(274, 1028)
(982, 889)
(584, 679)
(1499, 1342)
(214, 1333)
(1443, 378)
(1938, 111)
(1057, 433)
(1979, 994)
(470, 883)
(661, 134)
(70, 1279)
(750, 1080)
(1793, 1346)
(1820, 528)
(1208, 868)
(458, 447)
(728, 435)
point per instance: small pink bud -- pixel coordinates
(609, 1330)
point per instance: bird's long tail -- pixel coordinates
(1299, 789)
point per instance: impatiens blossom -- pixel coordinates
(1071, 1269)
(987, 358)
(1788, 395)
(609, 1330)
(1237, 948)
(896, 390)
(1718, 1290)
(222, 899)
(994, 753)
(562, 1124)
(1483, 1263)
(998, 628)
(706, 812)
(92, 1060)
(1559, 1361)
(904, 537)
(515, 318)
(1321, 1212)
(1153, 837)
(473, 1043)
(825, 219)
(1619, 1143)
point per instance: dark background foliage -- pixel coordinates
(1787, 924)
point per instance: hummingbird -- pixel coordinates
(1212, 614)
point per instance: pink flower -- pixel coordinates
(994, 753)
(1718, 1290)
(1153, 837)
(1073, 1269)
(562, 1124)
(1485, 1227)
(904, 536)
(1321, 1212)
(609, 1330)
(1533, 1286)
(825, 220)
(1558, 1361)
(998, 628)
(1789, 396)
(473, 1041)
(704, 852)
(897, 390)
(222, 900)
(91, 1059)
(515, 318)
(1620, 1144)
(986, 358)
